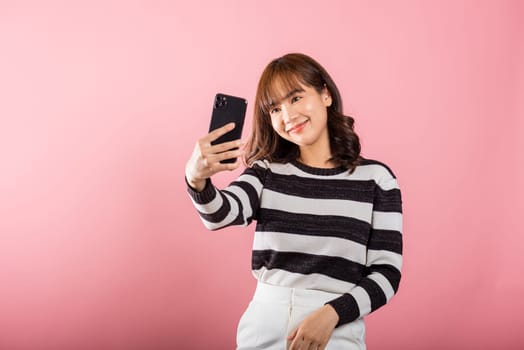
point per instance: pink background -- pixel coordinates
(101, 104)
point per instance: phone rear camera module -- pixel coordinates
(220, 102)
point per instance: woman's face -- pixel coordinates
(301, 116)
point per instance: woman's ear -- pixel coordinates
(326, 97)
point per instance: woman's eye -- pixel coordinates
(295, 99)
(274, 110)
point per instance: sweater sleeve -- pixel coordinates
(383, 260)
(237, 204)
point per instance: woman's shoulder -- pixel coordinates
(261, 166)
(376, 170)
(266, 167)
(260, 163)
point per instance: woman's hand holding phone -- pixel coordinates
(205, 160)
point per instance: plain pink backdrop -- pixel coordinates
(101, 104)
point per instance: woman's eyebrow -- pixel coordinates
(288, 95)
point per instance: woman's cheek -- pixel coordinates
(277, 125)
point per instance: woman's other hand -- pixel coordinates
(314, 331)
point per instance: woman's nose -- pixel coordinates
(287, 113)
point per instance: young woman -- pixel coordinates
(328, 241)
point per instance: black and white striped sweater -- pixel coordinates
(322, 229)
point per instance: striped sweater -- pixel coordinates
(323, 229)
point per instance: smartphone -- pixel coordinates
(227, 109)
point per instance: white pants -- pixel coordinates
(275, 312)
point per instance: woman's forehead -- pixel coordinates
(282, 86)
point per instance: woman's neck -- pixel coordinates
(318, 153)
(316, 158)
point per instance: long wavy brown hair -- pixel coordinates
(288, 73)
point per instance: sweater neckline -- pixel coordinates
(318, 171)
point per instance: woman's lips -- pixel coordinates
(298, 127)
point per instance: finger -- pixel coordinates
(296, 344)
(236, 164)
(225, 146)
(292, 334)
(313, 346)
(297, 341)
(233, 166)
(230, 154)
(218, 167)
(215, 134)
(214, 160)
(227, 166)
(307, 345)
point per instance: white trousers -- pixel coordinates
(275, 312)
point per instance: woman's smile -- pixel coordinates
(297, 128)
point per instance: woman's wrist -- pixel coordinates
(333, 315)
(197, 185)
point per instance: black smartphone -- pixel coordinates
(227, 109)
